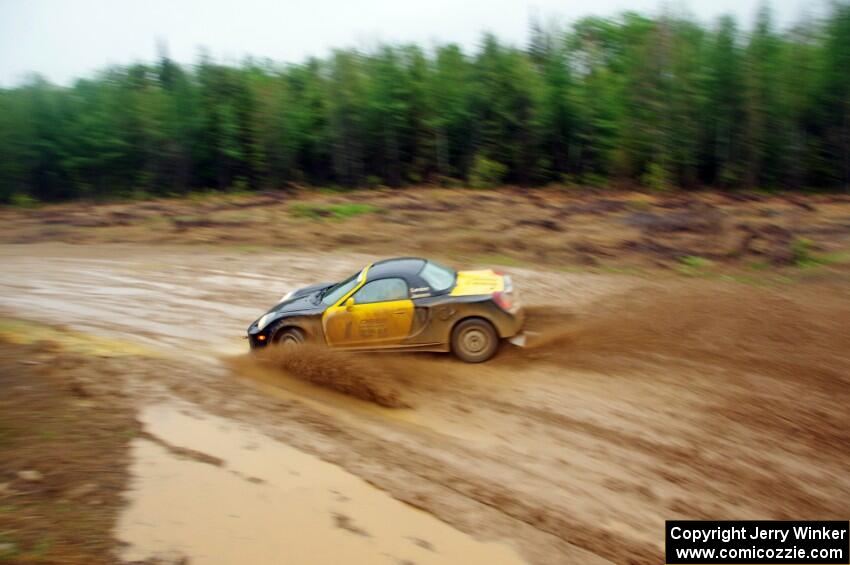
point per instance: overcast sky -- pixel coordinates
(66, 39)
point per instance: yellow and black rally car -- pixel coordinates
(407, 304)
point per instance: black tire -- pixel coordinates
(289, 336)
(474, 340)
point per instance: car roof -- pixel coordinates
(405, 267)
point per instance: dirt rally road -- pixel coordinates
(640, 401)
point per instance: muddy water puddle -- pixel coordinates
(213, 491)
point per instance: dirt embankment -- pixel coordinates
(65, 428)
(556, 227)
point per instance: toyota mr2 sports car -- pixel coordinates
(404, 304)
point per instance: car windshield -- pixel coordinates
(438, 277)
(334, 293)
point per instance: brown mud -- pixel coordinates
(637, 401)
(65, 433)
(279, 503)
(769, 330)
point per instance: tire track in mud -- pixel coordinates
(505, 496)
(695, 467)
(446, 463)
(629, 331)
(643, 405)
(419, 471)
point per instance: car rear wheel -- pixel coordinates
(474, 340)
(289, 336)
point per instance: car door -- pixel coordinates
(378, 314)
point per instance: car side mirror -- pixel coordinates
(349, 304)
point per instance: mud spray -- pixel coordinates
(357, 375)
(755, 329)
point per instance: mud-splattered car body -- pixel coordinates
(398, 304)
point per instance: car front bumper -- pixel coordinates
(257, 339)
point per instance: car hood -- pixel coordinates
(305, 298)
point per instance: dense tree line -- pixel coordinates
(657, 102)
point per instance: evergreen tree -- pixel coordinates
(654, 101)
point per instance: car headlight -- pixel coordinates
(286, 296)
(264, 321)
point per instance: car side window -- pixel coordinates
(382, 290)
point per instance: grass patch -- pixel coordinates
(39, 550)
(639, 205)
(574, 269)
(692, 265)
(502, 260)
(331, 211)
(8, 548)
(803, 254)
(806, 258)
(835, 258)
(694, 261)
(247, 249)
(23, 201)
(758, 265)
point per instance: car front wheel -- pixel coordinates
(474, 341)
(289, 336)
